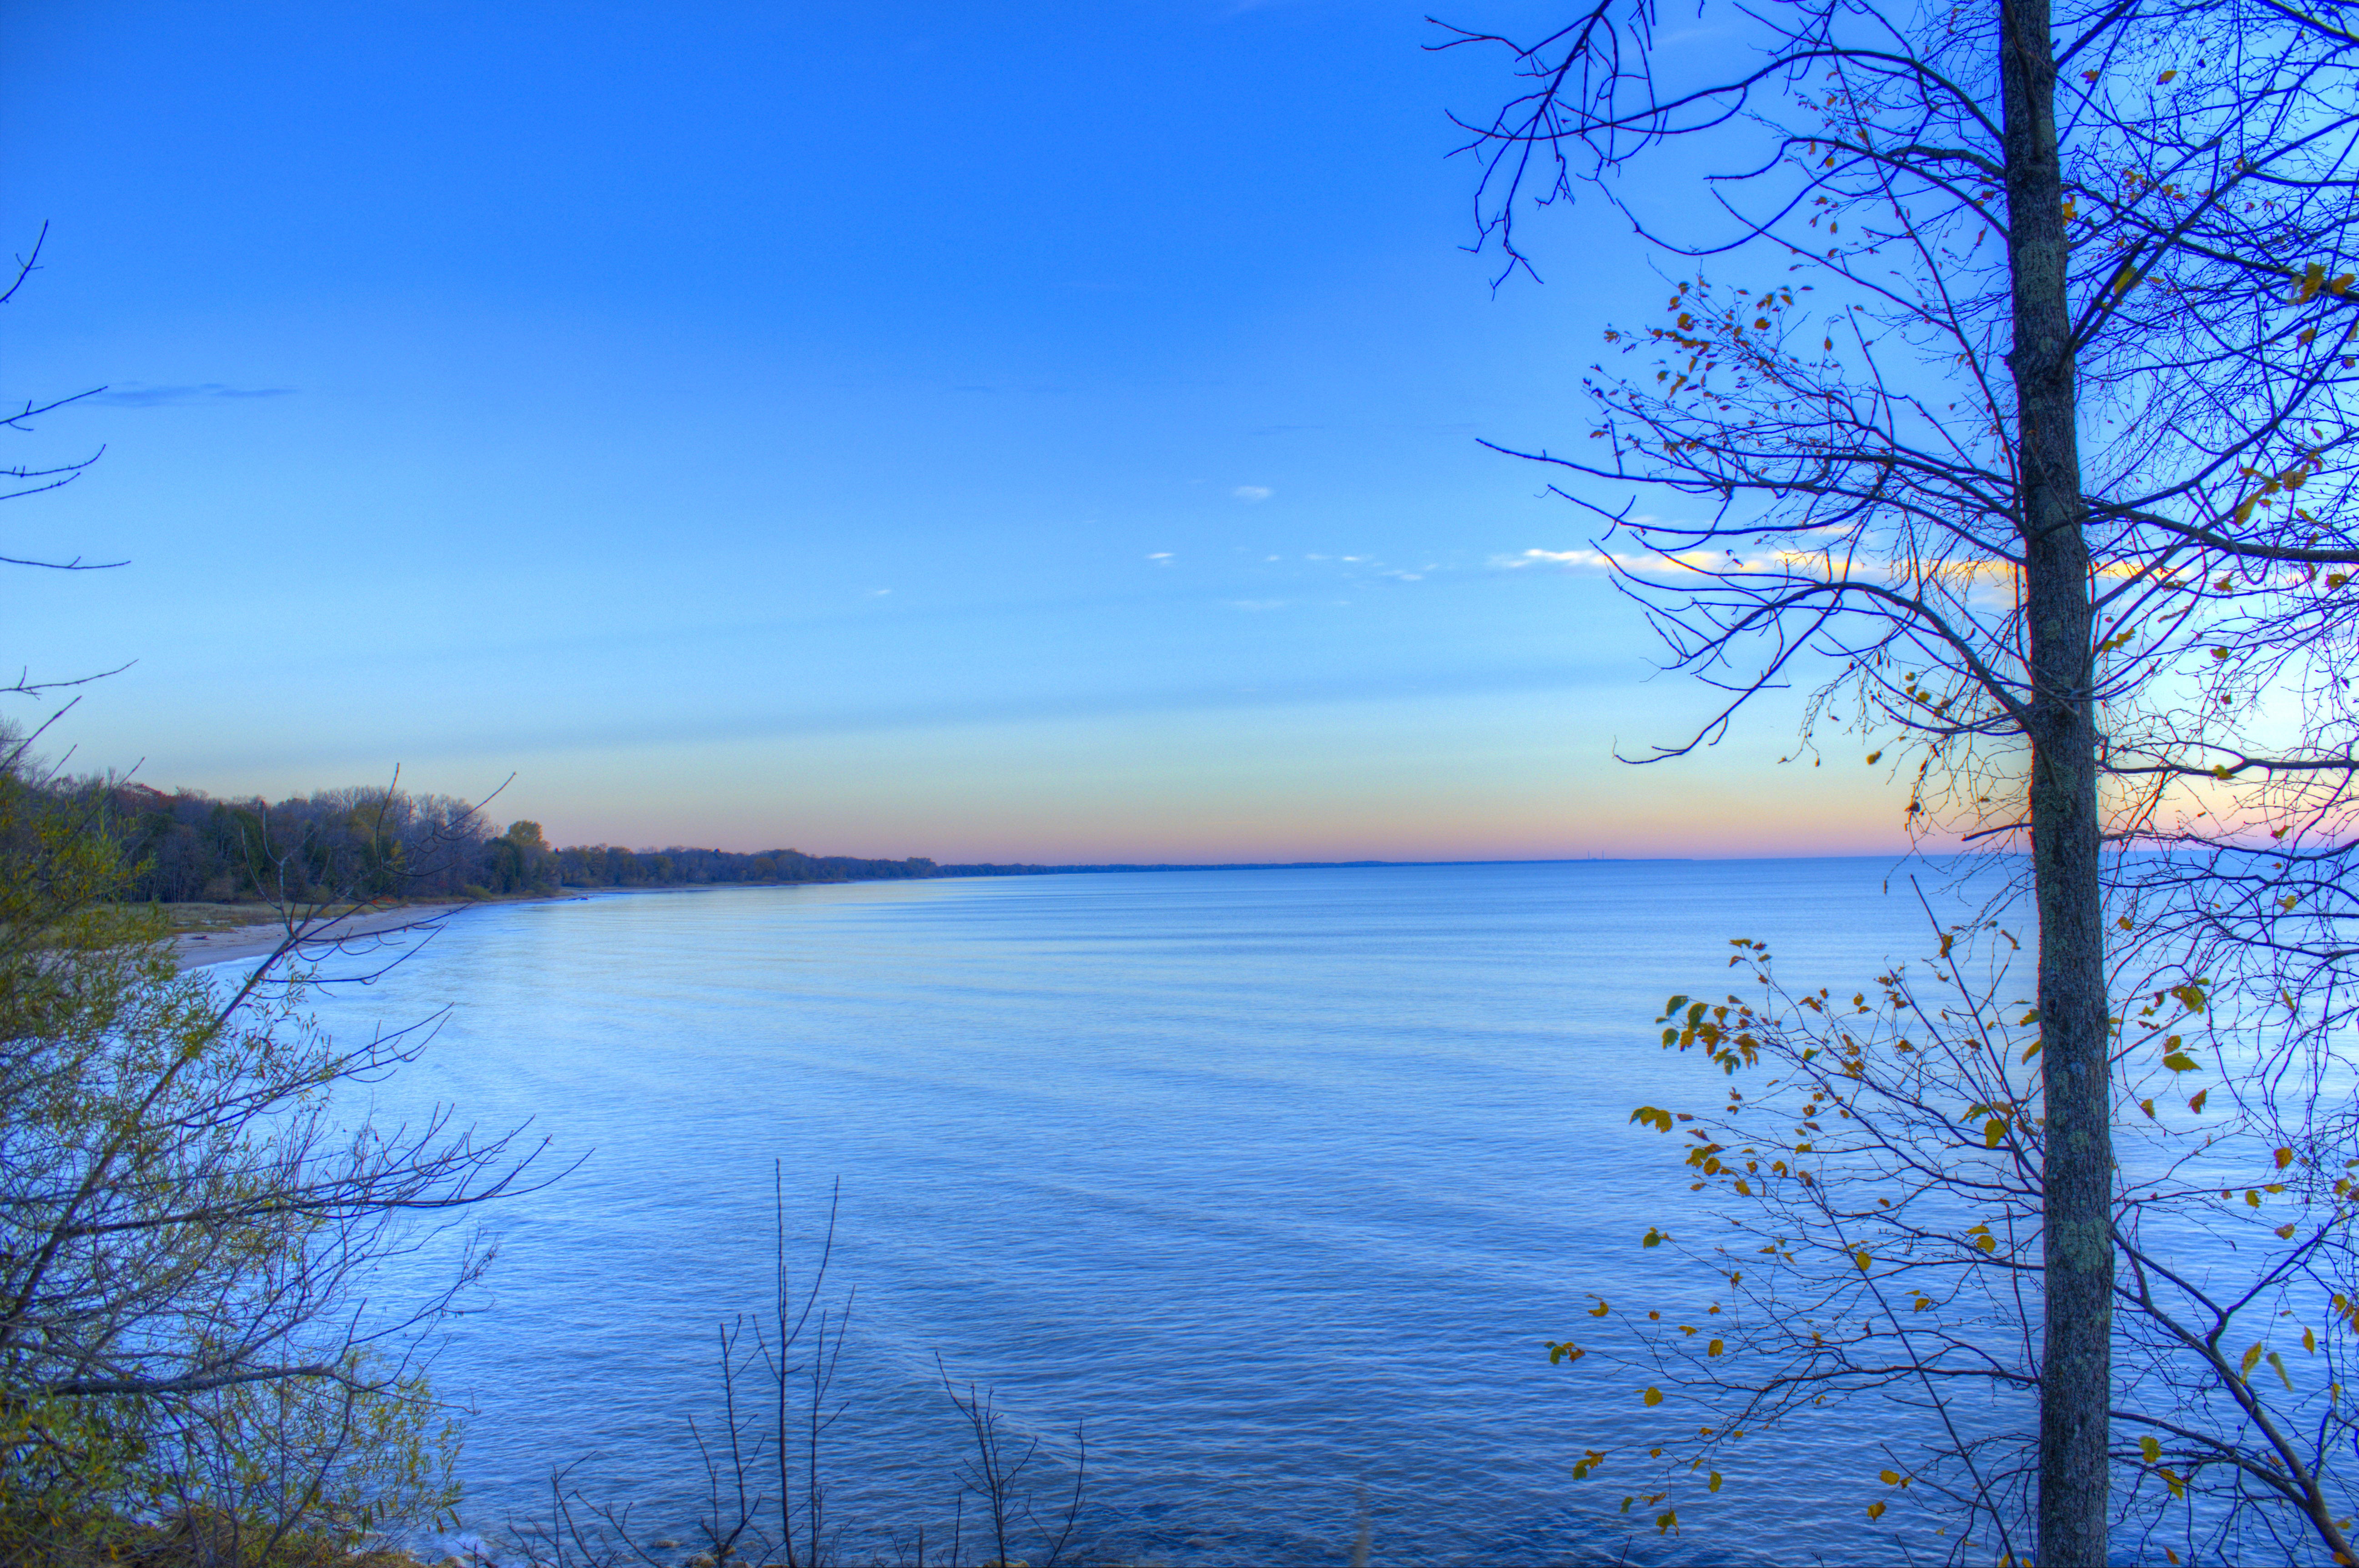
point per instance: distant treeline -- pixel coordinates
(1190, 866)
(187, 845)
(606, 865)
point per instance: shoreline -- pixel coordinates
(202, 949)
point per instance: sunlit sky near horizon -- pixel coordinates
(1040, 432)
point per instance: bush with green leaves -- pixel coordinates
(193, 1364)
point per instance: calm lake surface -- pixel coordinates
(1278, 1180)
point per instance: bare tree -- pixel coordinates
(1001, 1472)
(2030, 422)
(778, 1407)
(31, 478)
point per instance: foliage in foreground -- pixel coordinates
(191, 1368)
(1872, 1184)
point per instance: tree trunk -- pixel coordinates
(2076, 1359)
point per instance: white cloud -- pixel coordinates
(1161, 558)
(1565, 559)
(1252, 491)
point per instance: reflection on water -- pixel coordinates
(1280, 1179)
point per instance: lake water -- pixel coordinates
(1277, 1180)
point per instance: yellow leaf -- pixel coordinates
(2277, 1363)
(1862, 1260)
(1713, 1484)
(2179, 1061)
(1876, 1510)
(2252, 1359)
(1652, 1239)
(2151, 1449)
(1655, 1396)
(2195, 1101)
(2165, 76)
(1600, 1310)
(1712, 1349)
(2309, 1342)
(1889, 1478)
(2285, 1158)
(1992, 1130)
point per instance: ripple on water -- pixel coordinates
(1279, 1178)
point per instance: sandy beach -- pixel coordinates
(244, 943)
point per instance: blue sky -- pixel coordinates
(1039, 431)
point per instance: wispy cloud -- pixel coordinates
(138, 394)
(1562, 560)
(1967, 576)
(1362, 567)
(1161, 558)
(963, 709)
(1256, 603)
(1252, 491)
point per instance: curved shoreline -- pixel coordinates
(198, 949)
